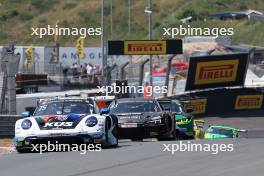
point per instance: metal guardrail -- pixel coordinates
(7, 125)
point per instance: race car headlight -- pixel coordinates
(91, 121)
(156, 118)
(26, 124)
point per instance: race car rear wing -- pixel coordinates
(199, 121)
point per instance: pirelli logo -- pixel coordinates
(198, 106)
(249, 102)
(225, 70)
(216, 71)
(145, 47)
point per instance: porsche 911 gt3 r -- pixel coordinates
(66, 121)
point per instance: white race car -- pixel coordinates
(66, 120)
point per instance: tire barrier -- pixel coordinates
(7, 125)
(223, 100)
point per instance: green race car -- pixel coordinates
(184, 121)
(221, 132)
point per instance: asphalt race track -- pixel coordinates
(140, 158)
(148, 158)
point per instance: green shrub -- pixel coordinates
(3, 18)
(25, 16)
(86, 17)
(187, 13)
(43, 5)
(43, 21)
(69, 5)
(3, 36)
(13, 13)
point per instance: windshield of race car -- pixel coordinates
(174, 107)
(221, 131)
(136, 106)
(62, 108)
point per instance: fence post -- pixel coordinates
(141, 71)
(122, 71)
(108, 73)
(11, 62)
(168, 74)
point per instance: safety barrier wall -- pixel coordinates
(206, 102)
(223, 100)
(7, 125)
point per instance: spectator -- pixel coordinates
(83, 71)
(89, 71)
(93, 73)
(74, 70)
(65, 70)
(75, 73)
(78, 69)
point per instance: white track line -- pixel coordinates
(7, 148)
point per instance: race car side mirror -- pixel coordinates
(104, 111)
(25, 114)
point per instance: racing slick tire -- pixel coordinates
(171, 136)
(106, 142)
(115, 132)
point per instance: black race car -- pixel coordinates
(140, 118)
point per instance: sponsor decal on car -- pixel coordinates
(58, 124)
(129, 125)
(182, 121)
(249, 102)
(198, 106)
(216, 71)
(48, 117)
(130, 117)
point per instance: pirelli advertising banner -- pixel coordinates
(216, 71)
(144, 47)
(248, 102)
(198, 106)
